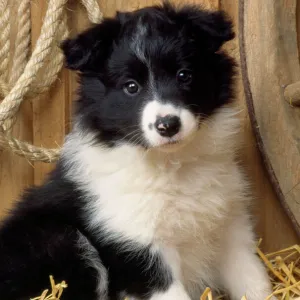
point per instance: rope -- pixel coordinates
(31, 76)
(22, 41)
(93, 10)
(4, 38)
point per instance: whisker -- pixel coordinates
(134, 138)
(128, 127)
(134, 132)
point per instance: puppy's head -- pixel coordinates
(149, 77)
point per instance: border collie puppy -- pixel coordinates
(147, 200)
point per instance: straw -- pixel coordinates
(283, 267)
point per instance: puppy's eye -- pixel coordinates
(184, 76)
(131, 88)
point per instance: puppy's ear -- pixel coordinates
(123, 17)
(210, 29)
(89, 49)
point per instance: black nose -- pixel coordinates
(167, 126)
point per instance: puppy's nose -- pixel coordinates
(167, 126)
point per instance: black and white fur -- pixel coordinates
(147, 200)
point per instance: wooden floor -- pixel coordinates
(45, 121)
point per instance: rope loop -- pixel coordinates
(19, 83)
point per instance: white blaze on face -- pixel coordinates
(155, 109)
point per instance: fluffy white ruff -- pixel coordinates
(189, 204)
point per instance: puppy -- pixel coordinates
(147, 200)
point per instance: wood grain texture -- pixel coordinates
(272, 223)
(269, 62)
(298, 27)
(49, 109)
(15, 172)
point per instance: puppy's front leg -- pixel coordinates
(152, 273)
(176, 291)
(242, 272)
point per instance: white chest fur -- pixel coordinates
(180, 201)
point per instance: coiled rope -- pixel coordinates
(21, 82)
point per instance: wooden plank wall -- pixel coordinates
(45, 121)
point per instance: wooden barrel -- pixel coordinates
(269, 38)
